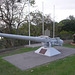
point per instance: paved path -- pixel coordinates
(29, 60)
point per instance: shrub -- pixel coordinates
(74, 38)
(66, 35)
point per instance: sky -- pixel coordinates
(63, 8)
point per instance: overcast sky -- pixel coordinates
(63, 8)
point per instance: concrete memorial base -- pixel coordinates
(47, 51)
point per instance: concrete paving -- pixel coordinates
(29, 60)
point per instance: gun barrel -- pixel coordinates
(36, 39)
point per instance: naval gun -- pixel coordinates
(47, 49)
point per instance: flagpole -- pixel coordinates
(29, 18)
(53, 21)
(43, 18)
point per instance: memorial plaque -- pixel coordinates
(43, 51)
(47, 32)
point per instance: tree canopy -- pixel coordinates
(68, 24)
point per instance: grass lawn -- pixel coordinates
(64, 66)
(70, 46)
(19, 51)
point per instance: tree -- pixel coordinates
(11, 13)
(66, 35)
(71, 17)
(73, 38)
(69, 25)
(37, 19)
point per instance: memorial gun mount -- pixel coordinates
(47, 49)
